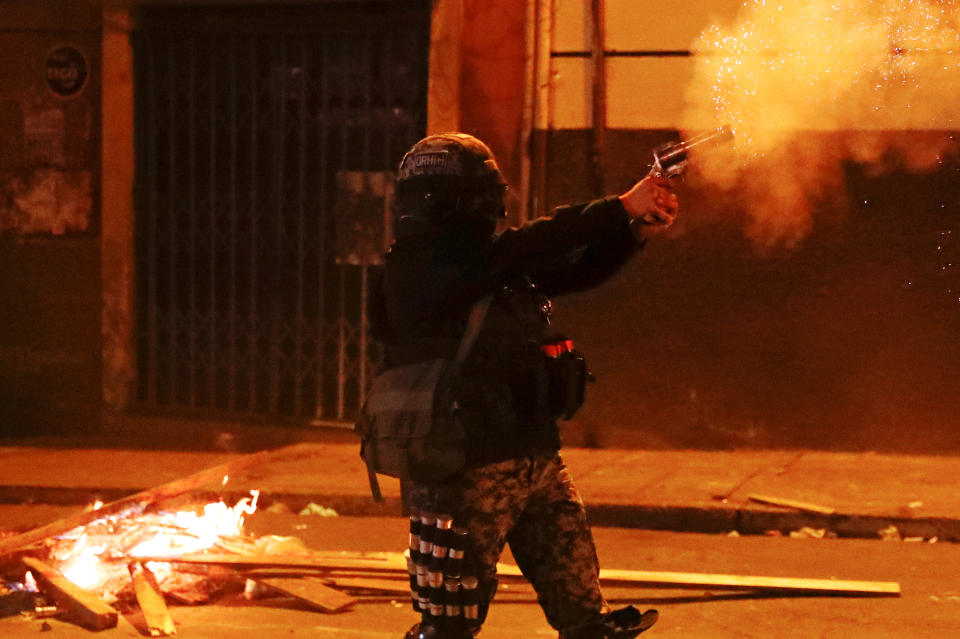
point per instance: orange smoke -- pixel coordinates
(866, 71)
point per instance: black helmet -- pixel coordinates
(447, 177)
(456, 156)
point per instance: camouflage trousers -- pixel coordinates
(532, 504)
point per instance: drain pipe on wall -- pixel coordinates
(535, 114)
(598, 69)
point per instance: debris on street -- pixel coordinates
(811, 533)
(317, 509)
(890, 533)
(792, 503)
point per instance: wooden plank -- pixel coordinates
(697, 580)
(154, 608)
(311, 591)
(143, 498)
(395, 563)
(792, 503)
(373, 583)
(379, 582)
(77, 604)
(751, 582)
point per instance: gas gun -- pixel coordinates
(670, 160)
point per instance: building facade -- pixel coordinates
(195, 195)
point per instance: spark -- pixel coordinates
(785, 68)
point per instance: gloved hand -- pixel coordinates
(651, 205)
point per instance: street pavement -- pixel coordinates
(846, 494)
(669, 493)
(928, 608)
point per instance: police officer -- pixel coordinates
(515, 488)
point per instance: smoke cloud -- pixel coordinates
(808, 85)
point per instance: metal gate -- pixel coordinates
(266, 140)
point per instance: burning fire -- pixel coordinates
(791, 67)
(83, 554)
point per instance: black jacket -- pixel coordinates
(432, 278)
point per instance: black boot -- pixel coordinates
(419, 631)
(423, 631)
(626, 623)
(623, 623)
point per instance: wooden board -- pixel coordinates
(392, 563)
(395, 563)
(381, 582)
(373, 583)
(75, 603)
(311, 591)
(698, 580)
(751, 582)
(212, 475)
(154, 608)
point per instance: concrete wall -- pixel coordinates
(49, 226)
(847, 341)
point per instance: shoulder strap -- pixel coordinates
(373, 481)
(477, 315)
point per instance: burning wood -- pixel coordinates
(98, 562)
(138, 501)
(92, 566)
(77, 603)
(84, 554)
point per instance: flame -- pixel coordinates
(84, 569)
(787, 68)
(30, 582)
(79, 553)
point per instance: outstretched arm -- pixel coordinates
(581, 246)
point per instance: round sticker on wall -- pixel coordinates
(66, 71)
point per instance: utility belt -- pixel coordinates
(567, 376)
(567, 373)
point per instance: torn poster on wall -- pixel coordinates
(45, 200)
(44, 131)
